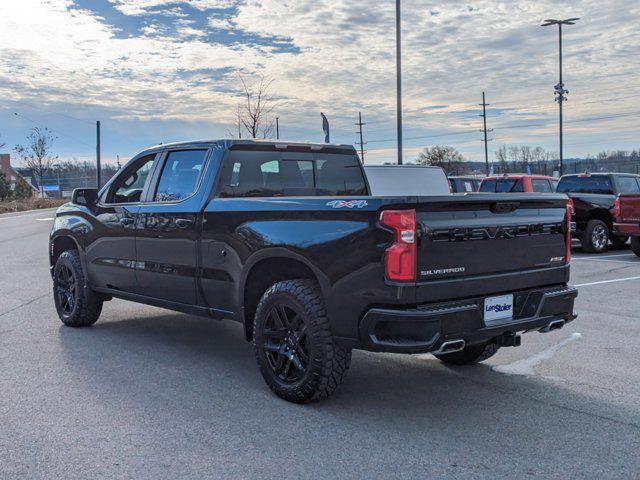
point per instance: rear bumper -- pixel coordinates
(426, 328)
(626, 229)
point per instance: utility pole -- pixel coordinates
(98, 168)
(399, 77)
(486, 140)
(277, 128)
(559, 89)
(361, 143)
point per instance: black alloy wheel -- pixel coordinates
(66, 290)
(292, 341)
(285, 342)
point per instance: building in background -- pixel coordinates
(11, 174)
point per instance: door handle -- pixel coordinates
(184, 222)
(126, 221)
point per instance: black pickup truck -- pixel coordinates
(594, 197)
(285, 239)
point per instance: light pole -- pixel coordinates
(399, 78)
(560, 91)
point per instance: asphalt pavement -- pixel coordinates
(148, 393)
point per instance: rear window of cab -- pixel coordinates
(502, 185)
(600, 184)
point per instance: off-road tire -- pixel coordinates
(87, 305)
(327, 362)
(470, 354)
(588, 244)
(618, 242)
(635, 245)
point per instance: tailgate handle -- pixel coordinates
(504, 207)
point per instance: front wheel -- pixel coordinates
(293, 345)
(470, 354)
(635, 245)
(76, 304)
(595, 238)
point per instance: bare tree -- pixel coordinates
(254, 113)
(36, 153)
(448, 158)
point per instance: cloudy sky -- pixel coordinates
(162, 70)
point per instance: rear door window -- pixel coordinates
(600, 184)
(180, 175)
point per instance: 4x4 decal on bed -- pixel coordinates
(347, 203)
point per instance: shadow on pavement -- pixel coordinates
(194, 374)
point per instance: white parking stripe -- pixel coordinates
(608, 261)
(527, 366)
(44, 219)
(606, 256)
(607, 281)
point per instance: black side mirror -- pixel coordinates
(86, 197)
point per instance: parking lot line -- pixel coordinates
(608, 260)
(607, 256)
(607, 281)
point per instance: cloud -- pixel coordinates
(182, 60)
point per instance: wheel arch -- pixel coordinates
(60, 243)
(266, 268)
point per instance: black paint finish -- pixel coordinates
(201, 254)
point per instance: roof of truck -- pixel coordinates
(278, 144)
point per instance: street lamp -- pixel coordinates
(559, 89)
(399, 78)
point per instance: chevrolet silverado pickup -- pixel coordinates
(286, 239)
(594, 196)
(627, 219)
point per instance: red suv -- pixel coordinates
(518, 182)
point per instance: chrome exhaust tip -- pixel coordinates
(555, 325)
(450, 346)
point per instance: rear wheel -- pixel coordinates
(470, 354)
(635, 245)
(595, 238)
(293, 344)
(76, 304)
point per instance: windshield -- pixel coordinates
(600, 184)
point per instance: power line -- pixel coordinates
(484, 105)
(51, 129)
(361, 142)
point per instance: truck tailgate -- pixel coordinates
(475, 235)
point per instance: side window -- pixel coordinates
(468, 186)
(128, 186)
(541, 186)
(180, 175)
(488, 186)
(628, 185)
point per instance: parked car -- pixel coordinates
(517, 182)
(286, 239)
(418, 180)
(464, 184)
(594, 196)
(627, 219)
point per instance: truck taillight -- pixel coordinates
(569, 217)
(401, 256)
(616, 209)
(571, 206)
